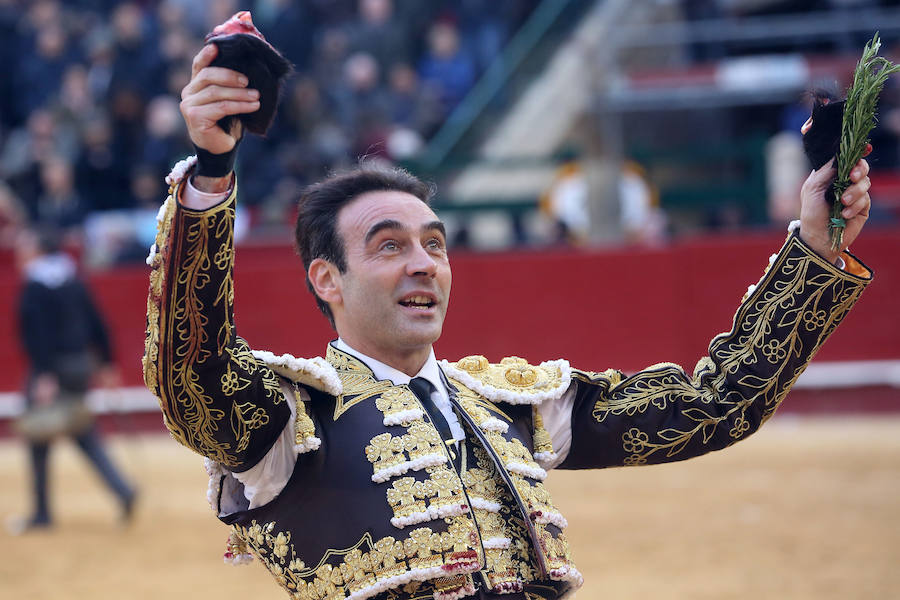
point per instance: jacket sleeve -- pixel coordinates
(35, 328)
(98, 334)
(216, 398)
(661, 414)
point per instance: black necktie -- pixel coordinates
(423, 388)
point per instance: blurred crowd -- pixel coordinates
(89, 115)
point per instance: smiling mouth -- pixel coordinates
(419, 302)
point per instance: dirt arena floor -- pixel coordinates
(808, 508)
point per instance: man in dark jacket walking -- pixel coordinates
(66, 341)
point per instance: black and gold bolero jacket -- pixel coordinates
(376, 505)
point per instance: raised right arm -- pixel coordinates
(216, 398)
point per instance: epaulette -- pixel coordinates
(512, 380)
(314, 372)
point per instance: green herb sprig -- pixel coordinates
(869, 78)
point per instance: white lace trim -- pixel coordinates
(180, 170)
(403, 416)
(567, 573)
(484, 504)
(308, 445)
(433, 513)
(510, 397)
(494, 424)
(429, 460)
(751, 288)
(794, 226)
(215, 472)
(466, 590)
(550, 516)
(496, 542)
(384, 585)
(238, 559)
(533, 471)
(508, 587)
(315, 372)
(544, 458)
(153, 257)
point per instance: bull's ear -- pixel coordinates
(266, 69)
(822, 141)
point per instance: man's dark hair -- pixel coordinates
(316, 233)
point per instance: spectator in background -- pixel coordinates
(642, 218)
(59, 206)
(128, 122)
(42, 68)
(64, 337)
(101, 174)
(411, 104)
(165, 138)
(80, 74)
(377, 32)
(310, 137)
(100, 55)
(362, 104)
(137, 63)
(289, 26)
(75, 105)
(27, 148)
(331, 53)
(446, 68)
(566, 202)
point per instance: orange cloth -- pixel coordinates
(852, 266)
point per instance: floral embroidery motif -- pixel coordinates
(442, 490)
(399, 406)
(783, 322)
(513, 380)
(370, 566)
(391, 455)
(181, 307)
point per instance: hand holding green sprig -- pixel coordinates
(869, 78)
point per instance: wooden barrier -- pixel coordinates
(624, 307)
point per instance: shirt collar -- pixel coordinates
(429, 370)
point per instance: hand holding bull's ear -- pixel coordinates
(235, 83)
(241, 47)
(212, 94)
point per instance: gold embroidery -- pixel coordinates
(364, 564)
(406, 497)
(358, 387)
(345, 362)
(796, 306)
(521, 376)
(512, 374)
(183, 314)
(542, 440)
(479, 408)
(304, 428)
(385, 451)
(421, 440)
(514, 562)
(396, 400)
(473, 364)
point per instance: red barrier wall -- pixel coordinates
(622, 308)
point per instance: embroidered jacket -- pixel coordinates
(375, 503)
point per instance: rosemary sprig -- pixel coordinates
(869, 77)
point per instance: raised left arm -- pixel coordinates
(662, 414)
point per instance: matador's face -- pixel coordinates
(393, 296)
